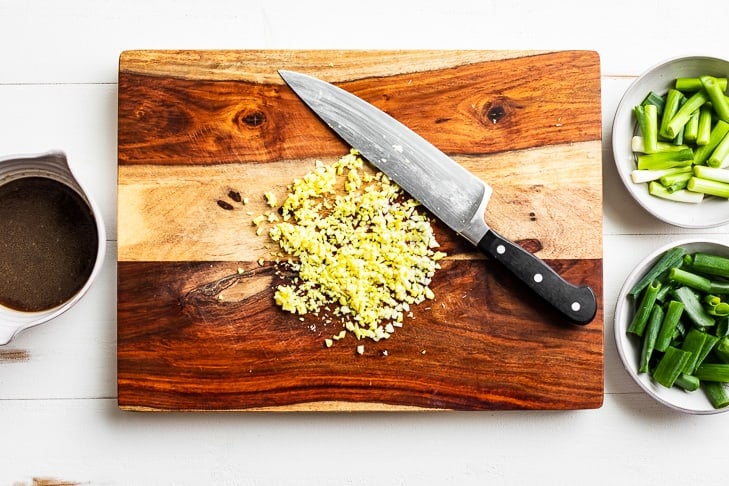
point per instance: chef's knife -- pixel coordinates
(447, 189)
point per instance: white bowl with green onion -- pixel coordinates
(672, 347)
(675, 167)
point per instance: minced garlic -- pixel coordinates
(271, 199)
(365, 255)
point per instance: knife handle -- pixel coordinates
(578, 304)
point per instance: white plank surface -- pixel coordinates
(58, 416)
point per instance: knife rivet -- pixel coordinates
(500, 249)
(576, 306)
(538, 277)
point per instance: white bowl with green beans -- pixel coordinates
(672, 326)
(670, 140)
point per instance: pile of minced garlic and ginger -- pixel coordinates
(360, 248)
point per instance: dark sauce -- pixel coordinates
(48, 243)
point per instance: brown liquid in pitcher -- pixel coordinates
(48, 243)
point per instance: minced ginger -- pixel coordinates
(364, 256)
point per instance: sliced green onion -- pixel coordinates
(691, 130)
(687, 382)
(666, 160)
(713, 372)
(711, 264)
(711, 173)
(703, 133)
(646, 175)
(718, 157)
(682, 115)
(671, 258)
(671, 318)
(637, 144)
(656, 100)
(649, 339)
(650, 129)
(670, 366)
(640, 318)
(721, 350)
(693, 308)
(717, 394)
(703, 152)
(675, 182)
(692, 280)
(694, 84)
(670, 108)
(715, 93)
(707, 186)
(693, 343)
(686, 196)
(719, 287)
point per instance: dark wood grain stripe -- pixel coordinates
(520, 103)
(476, 347)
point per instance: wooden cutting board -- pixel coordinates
(198, 129)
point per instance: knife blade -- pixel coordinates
(446, 188)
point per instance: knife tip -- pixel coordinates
(284, 73)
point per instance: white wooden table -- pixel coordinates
(59, 421)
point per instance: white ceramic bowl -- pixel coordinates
(629, 347)
(712, 211)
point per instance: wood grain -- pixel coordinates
(473, 108)
(474, 347)
(529, 202)
(197, 126)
